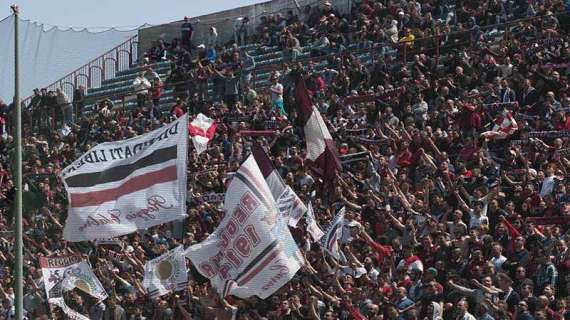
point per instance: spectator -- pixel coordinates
(141, 86)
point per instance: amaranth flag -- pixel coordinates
(120, 187)
(333, 234)
(321, 149)
(202, 130)
(288, 203)
(251, 252)
(166, 273)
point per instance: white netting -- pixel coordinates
(47, 55)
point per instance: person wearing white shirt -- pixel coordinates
(141, 86)
(548, 183)
(276, 90)
(464, 314)
(498, 259)
(212, 37)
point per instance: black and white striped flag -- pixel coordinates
(119, 187)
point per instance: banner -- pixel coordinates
(117, 188)
(312, 227)
(67, 273)
(166, 273)
(251, 252)
(329, 242)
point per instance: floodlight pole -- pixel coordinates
(19, 269)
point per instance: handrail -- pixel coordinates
(97, 62)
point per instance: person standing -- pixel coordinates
(276, 90)
(186, 31)
(212, 37)
(141, 86)
(64, 105)
(240, 31)
(79, 99)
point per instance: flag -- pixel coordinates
(81, 276)
(66, 273)
(505, 125)
(333, 234)
(120, 187)
(70, 313)
(202, 130)
(321, 149)
(251, 252)
(312, 227)
(288, 202)
(166, 273)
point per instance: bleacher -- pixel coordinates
(120, 89)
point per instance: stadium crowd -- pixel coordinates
(454, 166)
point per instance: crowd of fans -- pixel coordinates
(454, 165)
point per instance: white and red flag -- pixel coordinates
(252, 251)
(120, 187)
(321, 149)
(202, 130)
(505, 125)
(288, 203)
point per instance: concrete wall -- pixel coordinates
(224, 21)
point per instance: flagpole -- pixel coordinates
(18, 290)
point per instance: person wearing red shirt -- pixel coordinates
(178, 110)
(561, 121)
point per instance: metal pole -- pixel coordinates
(18, 290)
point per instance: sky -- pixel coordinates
(95, 14)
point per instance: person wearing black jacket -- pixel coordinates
(79, 99)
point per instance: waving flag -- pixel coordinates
(202, 130)
(505, 125)
(329, 242)
(120, 187)
(251, 252)
(288, 203)
(321, 149)
(66, 273)
(166, 273)
(312, 227)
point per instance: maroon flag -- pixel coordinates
(288, 203)
(321, 150)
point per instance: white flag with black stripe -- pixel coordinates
(120, 187)
(333, 234)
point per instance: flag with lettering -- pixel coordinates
(252, 251)
(166, 273)
(117, 188)
(66, 273)
(202, 129)
(288, 203)
(333, 234)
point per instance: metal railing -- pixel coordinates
(92, 74)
